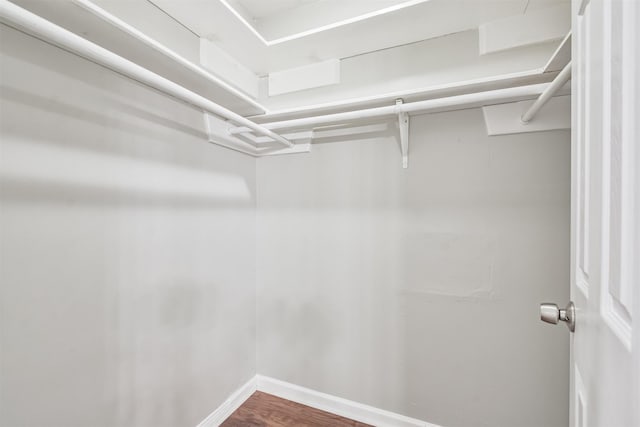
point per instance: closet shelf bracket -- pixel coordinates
(218, 132)
(403, 125)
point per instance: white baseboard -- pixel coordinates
(232, 403)
(325, 402)
(336, 405)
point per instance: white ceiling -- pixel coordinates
(263, 8)
(274, 19)
(281, 20)
(423, 19)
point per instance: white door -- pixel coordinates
(605, 231)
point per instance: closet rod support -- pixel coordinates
(548, 93)
(403, 125)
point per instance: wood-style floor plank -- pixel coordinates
(266, 410)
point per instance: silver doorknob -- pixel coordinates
(551, 313)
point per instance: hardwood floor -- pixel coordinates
(265, 410)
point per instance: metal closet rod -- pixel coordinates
(497, 96)
(39, 27)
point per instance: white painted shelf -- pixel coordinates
(83, 28)
(545, 74)
(504, 81)
(94, 28)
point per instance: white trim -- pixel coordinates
(232, 403)
(336, 405)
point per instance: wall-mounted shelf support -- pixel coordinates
(403, 125)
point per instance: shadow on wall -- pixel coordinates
(303, 331)
(68, 194)
(130, 118)
(111, 152)
(126, 252)
(80, 81)
(356, 132)
(51, 95)
(157, 348)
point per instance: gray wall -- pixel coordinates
(127, 250)
(128, 261)
(417, 290)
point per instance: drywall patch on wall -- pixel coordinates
(451, 264)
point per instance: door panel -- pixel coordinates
(605, 374)
(617, 159)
